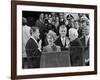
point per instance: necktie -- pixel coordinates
(63, 41)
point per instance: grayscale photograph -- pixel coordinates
(55, 39)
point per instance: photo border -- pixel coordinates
(14, 39)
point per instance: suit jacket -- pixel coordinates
(59, 43)
(76, 52)
(33, 53)
(32, 49)
(54, 48)
(86, 48)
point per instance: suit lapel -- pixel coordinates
(84, 42)
(61, 41)
(35, 44)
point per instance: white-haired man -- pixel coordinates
(75, 48)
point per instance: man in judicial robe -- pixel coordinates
(33, 49)
(76, 48)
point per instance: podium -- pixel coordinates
(55, 59)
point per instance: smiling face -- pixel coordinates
(50, 40)
(63, 31)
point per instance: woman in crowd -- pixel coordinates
(51, 47)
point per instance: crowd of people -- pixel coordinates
(54, 32)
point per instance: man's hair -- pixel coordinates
(33, 30)
(74, 32)
(62, 26)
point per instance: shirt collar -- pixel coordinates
(63, 38)
(34, 39)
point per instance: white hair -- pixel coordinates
(73, 32)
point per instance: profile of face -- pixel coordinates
(50, 40)
(63, 31)
(36, 34)
(71, 36)
(86, 30)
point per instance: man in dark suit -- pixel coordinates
(85, 41)
(62, 40)
(76, 48)
(33, 49)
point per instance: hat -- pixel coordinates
(69, 16)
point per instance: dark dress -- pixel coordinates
(33, 54)
(76, 52)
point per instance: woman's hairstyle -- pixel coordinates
(74, 32)
(33, 29)
(52, 34)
